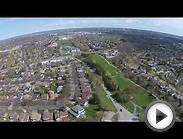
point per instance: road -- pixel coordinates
(124, 115)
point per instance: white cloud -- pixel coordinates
(171, 22)
(168, 25)
(132, 21)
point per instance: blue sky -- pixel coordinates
(10, 27)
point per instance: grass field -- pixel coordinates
(140, 96)
(105, 103)
(129, 106)
(101, 61)
(91, 110)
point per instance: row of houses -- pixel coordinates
(85, 87)
(34, 116)
(84, 94)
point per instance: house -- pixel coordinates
(65, 119)
(27, 88)
(59, 116)
(23, 117)
(35, 116)
(63, 114)
(2, 115)
(59, 89)
(84, 102)
(47, 116)
(13, 116)
(111, 53)
(77, 111)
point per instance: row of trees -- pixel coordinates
(110, 84)
(94, 100)
(108, 81)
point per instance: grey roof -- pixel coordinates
(24, 117)
(73, 113)
(47, 116)
(77, 108)
(59, 88)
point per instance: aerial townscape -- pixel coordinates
(89, 75)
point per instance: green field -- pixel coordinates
(129, 106)
(140, 96)
(91, 110)
(92, 114)
(105, 103)
(101, 61)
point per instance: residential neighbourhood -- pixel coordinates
(88, 75)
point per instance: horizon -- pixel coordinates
(22, 35)
(14, 27)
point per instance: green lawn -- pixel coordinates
(91, 110)
(101, 61)
(122, 82)
(140, 96)
(129, 106)
(142, 99)
(105, 103)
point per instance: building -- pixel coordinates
(59, 89)
(60, 116)
(111, 53)
(47, 116)
(77, 111)
(35, 116)
(24, 117)
(13, 116)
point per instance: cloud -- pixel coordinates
(170, 22)
(132, 21)
(9, 19)
(168, 25)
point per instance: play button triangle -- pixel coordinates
(160, 116)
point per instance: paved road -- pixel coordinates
(124, 115)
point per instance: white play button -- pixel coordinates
(160, 116)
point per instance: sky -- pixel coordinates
(10, 27)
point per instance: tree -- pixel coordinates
(53, 86)
(110, 83)
(93, 99)
(121, 97)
